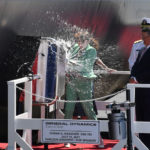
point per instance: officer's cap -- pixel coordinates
(145, 25)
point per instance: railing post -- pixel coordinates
(28, 108)
(131, 87)
(11, 115)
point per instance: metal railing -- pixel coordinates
(136, 126)
(22, 121)
(25, 121)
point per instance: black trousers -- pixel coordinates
(142, 100)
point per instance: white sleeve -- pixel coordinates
(132, 57)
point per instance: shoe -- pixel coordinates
(101, 146)
(67, 145)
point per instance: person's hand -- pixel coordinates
(110, 70)
(67, 77)
(133, 81)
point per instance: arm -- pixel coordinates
(100, 63)
(141, 78)
(144, 77)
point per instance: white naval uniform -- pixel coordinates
(137, 46)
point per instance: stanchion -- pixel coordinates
(129, 135)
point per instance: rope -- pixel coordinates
(71, 101)
(46, 103)
(21, 89)
(54, 101)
